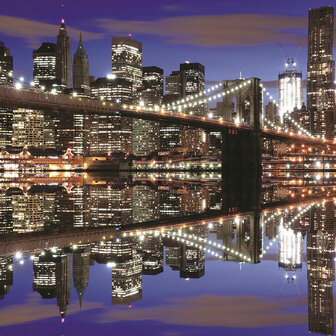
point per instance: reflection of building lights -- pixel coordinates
(290, 248)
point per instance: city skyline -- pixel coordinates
(267, 48)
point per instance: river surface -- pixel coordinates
(167, 254)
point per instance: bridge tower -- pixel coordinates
(241, 146)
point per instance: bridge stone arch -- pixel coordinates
(248, 100)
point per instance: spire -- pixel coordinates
(62, 20)
(80, 48)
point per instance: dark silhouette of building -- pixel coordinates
(6, 78)
(6, 275)
(81, 76)
(80, 270)
(63, 58)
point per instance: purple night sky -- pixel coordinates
(226, 36)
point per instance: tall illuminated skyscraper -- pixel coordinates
(44, 62)
(109, 134)
(127, 60)
(146, 133)
(321, 269)
(290, 89)
(63, 57)
(193, 82)
(321, 71)
(6, 78)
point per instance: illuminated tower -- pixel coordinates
(127, 60)
(6, 78)
(81, 76)
(290, 250)
(63, 58)
(321, 71)
(108, 133)
(170, 135)
(321, 269)
(44, 61)
(290, 89)
(146, 133)
(193, 82)
(126, 274)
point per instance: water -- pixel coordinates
(166, 255)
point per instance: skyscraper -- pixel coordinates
(44, 65)
(146, 133)
(321, 71)
(193, 82)
(127, 60)
(110, 133)
(321, 269)
(170, 135)
(192, 77)
(6, 78)
(28, 128)
(63, 57)
(290, 90)
(81, 268)
(81, 76)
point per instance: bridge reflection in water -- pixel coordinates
(139, 224)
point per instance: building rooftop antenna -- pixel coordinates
(62, 9)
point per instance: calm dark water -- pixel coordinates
(167, 255)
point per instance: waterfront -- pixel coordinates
(166, 255)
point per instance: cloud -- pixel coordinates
(32, 310)
(33, 31)
(225, 311)
(217, 30)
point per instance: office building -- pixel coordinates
(110, 134)
(146, 138)
(44, 66)
(81, 76)
(127, 60)
(6, 78)
(63, 58)
(321, 71)
(28, 128)
(290, 89)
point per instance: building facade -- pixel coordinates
(290, 90)
(146, 133)
(110, 134)
(6, 78)
(28, 128)
(44, 65)
(81, 75)
(127, 60)
(63, 58)
(321, 71)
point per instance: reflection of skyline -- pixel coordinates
(134, 252)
